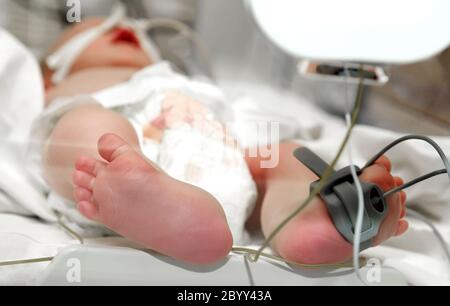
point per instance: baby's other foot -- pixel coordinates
(312, 238)
(131, 196)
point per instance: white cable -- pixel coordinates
(360, 193)
(360, 215)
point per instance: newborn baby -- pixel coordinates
(192, 204)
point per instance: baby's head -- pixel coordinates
(116, 48)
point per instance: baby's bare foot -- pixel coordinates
(131, 196)
(312, 238)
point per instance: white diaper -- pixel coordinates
(184, 152)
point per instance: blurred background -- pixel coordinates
(244, 62)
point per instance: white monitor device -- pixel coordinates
(369, 31)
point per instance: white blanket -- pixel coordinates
(417, 255)
(21, 101)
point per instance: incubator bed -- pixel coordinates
(127, 266)
(37, 252)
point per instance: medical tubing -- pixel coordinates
(360, 194)
(360, 213)
(68, 229)
(412, 137)
(415, 181)
(419, 179)
(182, 29)
(247, 251)
(326, 176)
(25, 261)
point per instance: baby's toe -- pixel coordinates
(82, 194)
(111, 146)
(385, 162)
(89, 165)
(398, 181)
(403, 226)
(83, 180)
(380, 176)
(88, 209)
(403, 211)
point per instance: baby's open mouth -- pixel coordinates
(123, 35)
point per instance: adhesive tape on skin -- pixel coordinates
(62, 60)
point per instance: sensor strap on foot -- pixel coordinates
(341, 198)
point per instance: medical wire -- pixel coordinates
(411, 137)
(246, 251)
(25, 261)
(68, 229)
(419, 179)
(415, 181)
(183, 30)
(359, 189)
(360, 213)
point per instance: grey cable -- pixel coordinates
(412, 137)
(419, 179)
(415, 181)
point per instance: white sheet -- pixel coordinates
(21, 101)
(21, 89)
(24, 238)
(417, 254)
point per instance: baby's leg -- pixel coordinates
(120, 188)
(76, 134)
(134, 198)
(311, 236)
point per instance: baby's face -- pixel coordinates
(117, 48)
